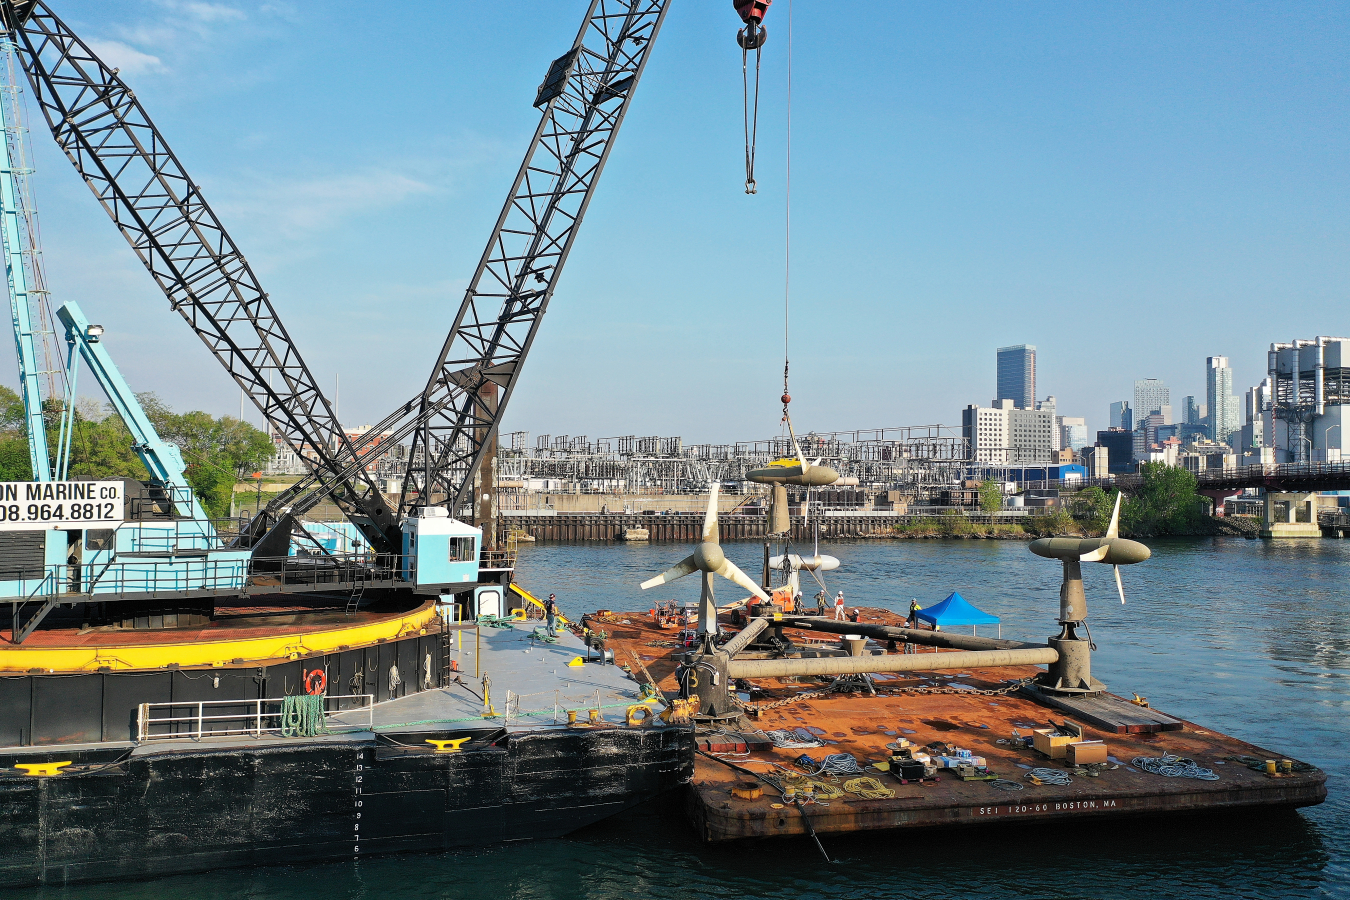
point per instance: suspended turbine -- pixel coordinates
(794, 471)
(708, 559)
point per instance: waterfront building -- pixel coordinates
(1119, 444)
(1309, 394)
(1006, 435)
(1017, 375)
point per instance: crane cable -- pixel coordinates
(750, 112)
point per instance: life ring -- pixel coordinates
(316, 680)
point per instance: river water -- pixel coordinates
(1249, 637)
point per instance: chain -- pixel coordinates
(812, 695)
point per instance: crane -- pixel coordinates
(106, 134)
(584, 97)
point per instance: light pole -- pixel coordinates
(1326, 446)
(1309, 442)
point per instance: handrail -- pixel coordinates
(254, 714)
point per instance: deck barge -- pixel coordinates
(983, 711)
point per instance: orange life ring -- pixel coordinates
(315, 681)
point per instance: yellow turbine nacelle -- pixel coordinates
(791, 471)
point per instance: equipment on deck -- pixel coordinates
(709, 559)
(1072, 674)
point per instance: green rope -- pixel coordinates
(497, 621)
(303, 716)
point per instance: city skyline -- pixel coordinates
(1157, 206)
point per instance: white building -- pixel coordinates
(1002, 434)
(1310, 396)
(1223, 406)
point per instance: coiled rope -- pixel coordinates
(1169, 766)
(303, 716)
(868, 788)
(1050, 776)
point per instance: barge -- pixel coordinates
(993, 713)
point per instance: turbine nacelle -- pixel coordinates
(1110, 548)
(817, 563)
(800, 470)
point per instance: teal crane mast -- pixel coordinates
(20, 292)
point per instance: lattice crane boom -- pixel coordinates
(107, 135)
(584, 97)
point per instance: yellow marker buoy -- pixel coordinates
(449, 746)
(42, 770)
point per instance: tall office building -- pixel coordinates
(1017, 376)
(1151, 395)
(1122, 416)
(1191, 412)
(1223, 406)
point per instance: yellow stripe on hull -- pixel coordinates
(213, 653)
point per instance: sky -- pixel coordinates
(1129, 187)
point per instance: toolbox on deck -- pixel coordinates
(1081, 753)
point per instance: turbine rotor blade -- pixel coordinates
(729, 571)
(797, 448)
(1095, 555)
(1120, 586)
(710, 517)
(1113, 530)
(682, 568)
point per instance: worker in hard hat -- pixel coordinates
(839, 606)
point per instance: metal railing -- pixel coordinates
(116, 579)
(238, 718)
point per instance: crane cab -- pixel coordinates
(440, 554)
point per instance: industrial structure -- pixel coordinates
(1309, 396)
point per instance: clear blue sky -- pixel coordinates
(1129, 187)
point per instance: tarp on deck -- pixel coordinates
(956, 610)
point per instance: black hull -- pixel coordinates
(202, 807)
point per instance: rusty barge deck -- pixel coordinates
(948, 708)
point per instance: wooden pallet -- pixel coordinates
(1109, 712)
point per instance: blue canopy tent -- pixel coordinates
(956, 610)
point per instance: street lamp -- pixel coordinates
(1326, 444)
(1309, 442)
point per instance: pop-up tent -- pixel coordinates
(956, 610)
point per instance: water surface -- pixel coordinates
(1248, 637)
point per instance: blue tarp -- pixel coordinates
(956, 610)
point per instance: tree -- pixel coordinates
(1092, 508)
(991, 496)
(14, 462)
(1166, 503)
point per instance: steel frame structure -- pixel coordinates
(584, 98)
(115, 147)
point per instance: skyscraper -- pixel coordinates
(1017, 375)
(1150, 396)
(1121, 415)
(1223, 406)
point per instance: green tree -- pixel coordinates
(1167, 502)
(216, 452)
(1092, 508)
(991, 496)
(14, 462)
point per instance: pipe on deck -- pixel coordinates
(907, 635)
(747, 634)
(900, 662)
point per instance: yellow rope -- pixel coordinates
(868, 788)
